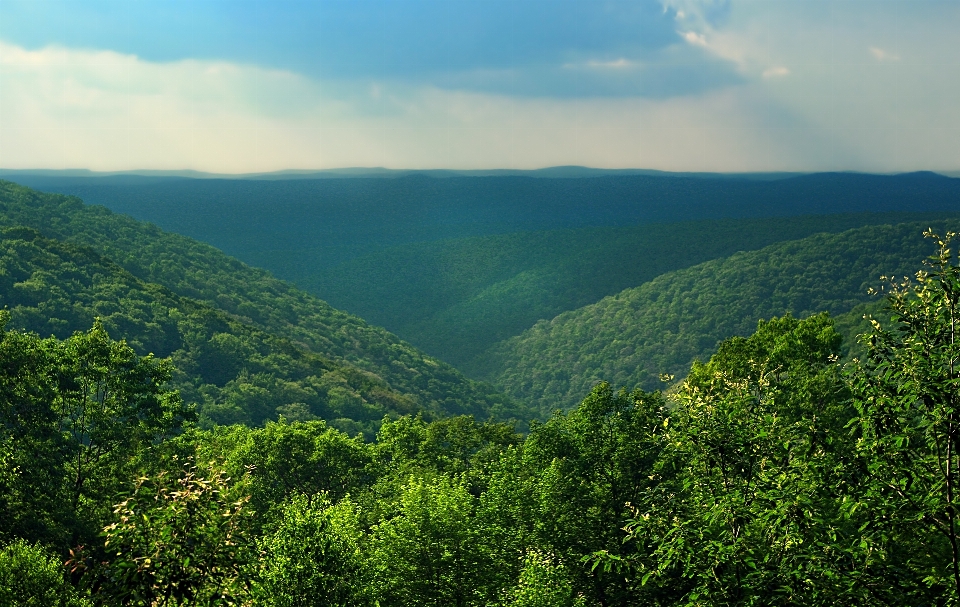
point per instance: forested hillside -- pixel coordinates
(456, 298)
(772, 475)
(778, 472)
(631, 338)
(456, 263)
(248, 321)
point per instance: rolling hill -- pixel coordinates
(71, 262)
(456, 262)
(456, 298)
(632, 337)
(294, 226)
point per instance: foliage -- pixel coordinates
(455, 445)
(634, 337)
(182, 538)
(305, 460)
(543, 583)
(907, 399)
(455, 298)
(313, 558)
(431, 551)
(295, 227)
(34, 454)
(751, 508)
(74, 413)
(30, 576)
(580, 473)
(768, 476)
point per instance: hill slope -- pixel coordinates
(235, 372)
(457, 298)
(659, 327)
(251, 297)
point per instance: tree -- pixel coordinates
(583, 471)
(30, 576)
(907, 394)
(110, 403)
(430, 553)
(543, 583)
(181, 538)
(34, 502)
(73, 414)
(313, 558)
(750, 508)
(307, 458)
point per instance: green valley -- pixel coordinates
(180, 428)
(249, 346)
(457, 298)
(660, 327)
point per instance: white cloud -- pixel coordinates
(694, 38)
(838, 109)
(617, 64)
(881, 55)
(102, 110)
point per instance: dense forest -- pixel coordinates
(455, 263)
(773, 474)
(240, 335)
(180, 428)
(457, 298)
(295, 226)
(633, 337)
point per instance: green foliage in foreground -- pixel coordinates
(774, 474)
(632, 338)
(246, 343)
(457, 298)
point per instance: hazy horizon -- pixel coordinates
(727, 86)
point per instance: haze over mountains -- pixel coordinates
(325, 222)
(470, 268)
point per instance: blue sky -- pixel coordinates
(242, 85)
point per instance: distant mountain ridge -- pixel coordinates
(546, 172)
(293, 226)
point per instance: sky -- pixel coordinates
(236, 86)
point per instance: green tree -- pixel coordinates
(431, 552)
(73, 415)
(110, 403)
(313, 557)
(751, 510)
(543, 583)
(34, 502)
(906, 393)
(180, 539)
(309, 459)
(580, 475)
(30, 576)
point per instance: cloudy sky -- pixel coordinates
(688, 85)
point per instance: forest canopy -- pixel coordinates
(773, 474)
(177, 428)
